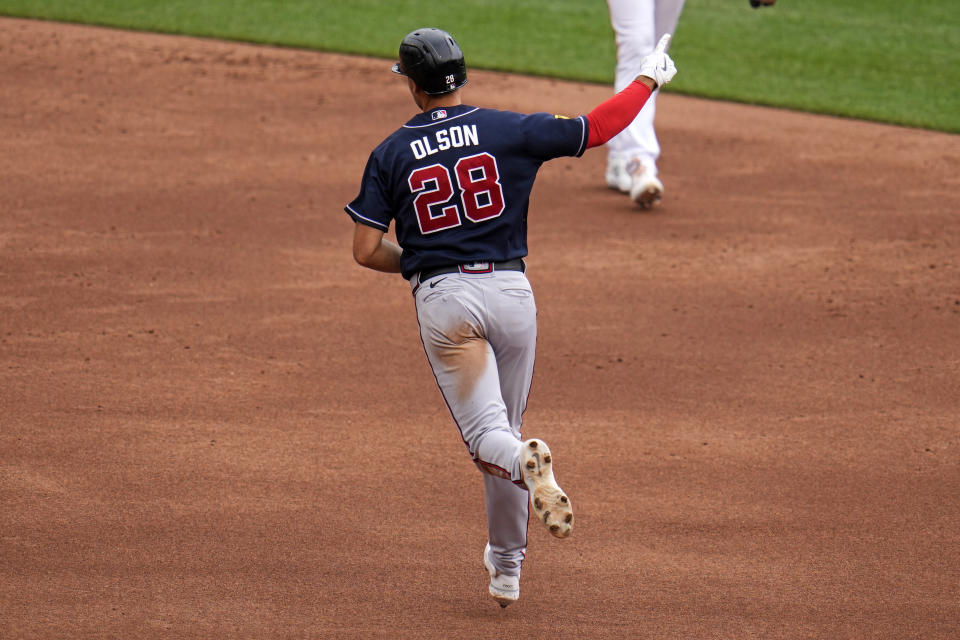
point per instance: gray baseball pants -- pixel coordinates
(479, 332)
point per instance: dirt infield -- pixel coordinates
(215, 424)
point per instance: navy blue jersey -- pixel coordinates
(457, 181)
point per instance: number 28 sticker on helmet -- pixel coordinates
(432, 59)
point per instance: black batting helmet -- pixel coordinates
(432, 59)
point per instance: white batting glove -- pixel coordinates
(658, 65)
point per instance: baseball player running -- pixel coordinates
(456, 181)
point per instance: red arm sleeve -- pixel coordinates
(612, 116)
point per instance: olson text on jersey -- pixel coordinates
(453, 137)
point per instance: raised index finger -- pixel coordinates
(662, 45)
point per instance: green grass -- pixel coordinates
(885, 60)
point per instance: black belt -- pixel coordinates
(474, 268)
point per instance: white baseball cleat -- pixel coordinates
(617, 176)
(503, 588)
(549, 502)
(645, 188)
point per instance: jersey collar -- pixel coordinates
(438, 116)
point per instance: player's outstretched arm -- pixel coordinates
(374, 251)
(614, 115)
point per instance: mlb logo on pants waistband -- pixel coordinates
(477, 267)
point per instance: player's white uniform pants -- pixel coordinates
(639, 25)
(479, 333)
